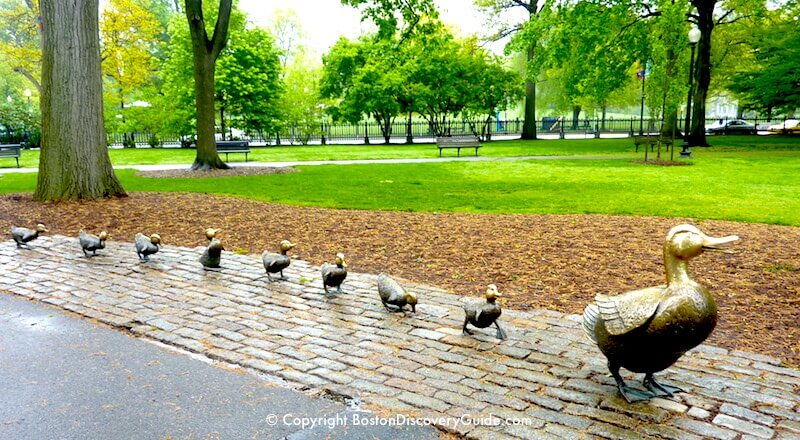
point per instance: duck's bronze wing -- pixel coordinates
(630, 310)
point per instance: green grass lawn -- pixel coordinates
(151, 156)
(546, 147)
(738, 182)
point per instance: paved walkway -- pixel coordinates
(68, 378)
(546, 381)
(351, 162)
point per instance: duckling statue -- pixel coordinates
(648, 330)
(484, 315)
(213, 253)
(23, 236)
(92, 243)
(393, 294)
(146, 246)
(275, 263)
(333, 275)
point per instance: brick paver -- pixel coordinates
(547, 374)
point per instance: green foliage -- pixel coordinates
(301, 103)
(667, 83)
(392, 16)
(20, 41)
(772, 82)
(247, 79)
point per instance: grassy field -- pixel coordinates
(150, 156)
(735, 181)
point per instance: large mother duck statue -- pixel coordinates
(648, 330)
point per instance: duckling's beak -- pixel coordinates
(713, 243)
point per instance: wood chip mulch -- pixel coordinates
(556, 262)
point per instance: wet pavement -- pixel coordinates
(64, 377)
(547, 380)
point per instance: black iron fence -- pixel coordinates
(403, 131)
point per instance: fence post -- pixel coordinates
(409, 134)
(596, 130)
(561, 130)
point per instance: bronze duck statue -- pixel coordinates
(486, 314)
(333, 275)
(146, 246)
(393, 294)
(92, 243)
(275, 263)
(23, 236)
(212, 255)
(648, 330)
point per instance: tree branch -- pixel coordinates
(220, 38)
(31, 78)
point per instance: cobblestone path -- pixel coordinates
(547, 380)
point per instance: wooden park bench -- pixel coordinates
(458, 142)
(652, 141)
(11, 150)
(228, 147)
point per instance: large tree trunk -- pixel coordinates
(529, 121)
(74, 162)
(205, 54)
(702, 72)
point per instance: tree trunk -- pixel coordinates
(529, 122)
(576, 113)
(74, 162)
(205, 54)
(702, 73)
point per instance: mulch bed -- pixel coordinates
(556, 262)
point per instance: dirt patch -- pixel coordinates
(233, 171)
(663, 163)
(556, 262)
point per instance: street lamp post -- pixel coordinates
(694, 37)
(28, 95)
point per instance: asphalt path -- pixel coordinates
(63, 377)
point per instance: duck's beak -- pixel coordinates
(713, 243)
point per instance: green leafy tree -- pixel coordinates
(130, 34)
(20, 42)
(247, 83)
(395, 16)
(368, 79)
(771, 83)
(302, 106)
(525, 40)
(205, 52)
(494, 88)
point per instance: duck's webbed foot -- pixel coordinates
(269, 277)
(501, 334)
(630, 394)
(465, 330)
(659, 389)
(339, 288)
(282, 276)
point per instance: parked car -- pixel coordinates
(789, 126)
(732, 126)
